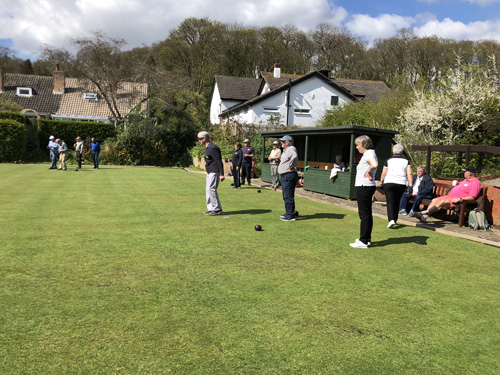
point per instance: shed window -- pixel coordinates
(335, 100)
(24, 91)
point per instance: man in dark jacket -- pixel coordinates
(236, 160)
(215, 173)
(422, 188)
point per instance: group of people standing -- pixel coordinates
(397, 181)
(285, 165)
(400, 186)
(59, 152)
(242, 163)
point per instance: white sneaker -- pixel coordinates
(358, 244)
(402, 212)
(391, 223)
(357, 240)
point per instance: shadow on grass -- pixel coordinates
(418, 240)
(322, 215)
(247, 212)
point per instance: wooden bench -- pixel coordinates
(316, 164)
(461, 209)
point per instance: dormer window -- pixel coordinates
(24, 91)
(90, 96)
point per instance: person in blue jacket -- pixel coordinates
(96, 149)
(420, 189)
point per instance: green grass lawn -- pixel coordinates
(117, 271)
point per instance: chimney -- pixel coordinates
(1, 79)
(277, 69)
(59, 81)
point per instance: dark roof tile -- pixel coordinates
(238, 88)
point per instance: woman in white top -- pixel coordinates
(394, 179)
(365, 188)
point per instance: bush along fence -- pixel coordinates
(69, 130)
(13, 144)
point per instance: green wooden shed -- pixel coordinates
(317, 148)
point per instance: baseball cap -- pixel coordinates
(52, 137)
(246, 141)
(286, 138)
(276, 143)
(470, 168)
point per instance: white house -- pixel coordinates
(287, 99)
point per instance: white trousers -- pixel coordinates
(213, 203)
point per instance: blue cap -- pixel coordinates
(286, 138)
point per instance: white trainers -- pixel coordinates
(391, 223)
(357, 240)
(358, 244)
(402, 212)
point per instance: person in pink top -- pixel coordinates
(466, 191)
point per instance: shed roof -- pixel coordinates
(329, 130)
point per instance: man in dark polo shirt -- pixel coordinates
(287, 170)
(215, 173)
(246, 166)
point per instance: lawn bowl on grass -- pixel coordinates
(258, 227)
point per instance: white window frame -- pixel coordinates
(270, 109)
(90, 96)
(29, 89)
(302, 111)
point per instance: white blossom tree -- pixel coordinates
(460, 106)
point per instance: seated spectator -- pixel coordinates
(466, 191)
(421, 189)
(338, 162)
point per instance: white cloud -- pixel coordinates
(29, 24)
(383, 26)
(458, 30)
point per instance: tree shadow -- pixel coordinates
(321, 215)
(418, 240)
(247, 212)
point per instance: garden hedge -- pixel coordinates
(69, 130)
(13, 144)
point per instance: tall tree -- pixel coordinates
(195, 48)
(337, 51)
(25, 67)
(100, 61)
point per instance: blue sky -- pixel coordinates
(26, 25)
(458, 10)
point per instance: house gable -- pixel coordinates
(228, 92)
(308, 98)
